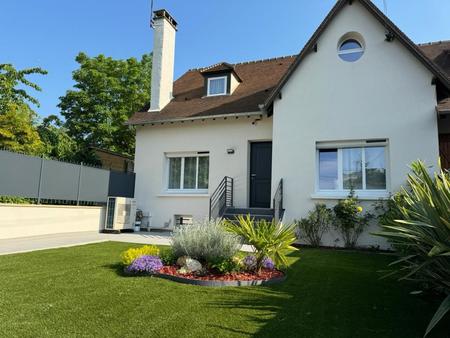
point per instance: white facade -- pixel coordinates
(386, 95)
(154, 143)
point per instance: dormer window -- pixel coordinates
(217, 85)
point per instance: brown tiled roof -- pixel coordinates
(439, 53)
(258, 80)
(262, 80)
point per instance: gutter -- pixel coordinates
(195, 118)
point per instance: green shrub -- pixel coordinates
(15, 200)
(350, 221)
(167, 256)
(269, 239)
(228, 265)
(419, 223)
(316, 224)
(206, 241)
(131, 254)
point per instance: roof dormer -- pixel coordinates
(220, 79)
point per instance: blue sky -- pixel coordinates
(50, 33)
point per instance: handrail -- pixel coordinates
(221, 198)
(278, 210)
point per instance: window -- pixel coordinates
(350, 50)
(217, 86)
(188, 173)
(357, 168)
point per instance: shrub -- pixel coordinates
(131, 254)
(349, 220)
(269, 239)
(227, 265)
(419, 224)
(15, 200)
(206, 241)
(316, 224)
(145, 264)
(167, 256)
(250, 263)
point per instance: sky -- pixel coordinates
(50, 33)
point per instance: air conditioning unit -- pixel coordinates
(120, 214)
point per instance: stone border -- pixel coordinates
(220, 283)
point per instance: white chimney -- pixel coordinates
(165, 28)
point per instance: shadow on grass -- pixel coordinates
(332, 294)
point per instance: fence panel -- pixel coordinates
(34, 177)
(19, 174)
(94, 184)
(121, 184)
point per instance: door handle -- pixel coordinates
(252, 175)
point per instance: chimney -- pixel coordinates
(164, 27)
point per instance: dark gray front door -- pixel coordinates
(260, 174)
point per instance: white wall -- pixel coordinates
(23, 220)
(152, 142)
(386, 94)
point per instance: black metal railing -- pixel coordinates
(278, 210)
(221, 198)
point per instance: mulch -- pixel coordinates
(264, 275)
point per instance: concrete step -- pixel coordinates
(251, 211)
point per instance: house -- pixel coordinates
(353, 109)
(112, 160)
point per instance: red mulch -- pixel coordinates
(265, 274)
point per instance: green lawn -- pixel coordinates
(78, 292)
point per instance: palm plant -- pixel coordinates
(270, 239)
(418, 225)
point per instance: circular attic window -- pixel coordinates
(350, 49)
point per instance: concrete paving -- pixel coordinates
(53, 241)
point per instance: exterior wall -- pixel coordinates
(33, 220)
(386, 94)
(152, 142)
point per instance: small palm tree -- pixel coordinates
(270, 239)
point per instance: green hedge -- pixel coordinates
(15, 200)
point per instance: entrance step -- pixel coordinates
(256, 213)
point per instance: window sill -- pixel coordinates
(338, 195)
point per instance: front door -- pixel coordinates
(444, 149)
(260, 174)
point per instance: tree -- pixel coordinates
(57, 143)
(17, 119)
(106, 93)
(18, 131)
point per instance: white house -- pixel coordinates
(354, 108)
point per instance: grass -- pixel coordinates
(78, 292)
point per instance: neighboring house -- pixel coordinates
(354, 108)
(114, 161)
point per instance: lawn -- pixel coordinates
(74, 292)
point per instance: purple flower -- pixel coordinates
(268, 264)
(249, 262)
(145, 264)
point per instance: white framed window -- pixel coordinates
(187, 172)
(361, 167)
(351, 49)
(217, 85)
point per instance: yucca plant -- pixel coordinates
(270, 239)
(419, 229)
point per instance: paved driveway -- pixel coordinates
(26, 244)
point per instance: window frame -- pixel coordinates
(340, 192)
(183, 156)
(225, 88)
(350, 51)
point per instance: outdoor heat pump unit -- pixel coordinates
(120, 214)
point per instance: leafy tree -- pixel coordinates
(17, 119)
(57, 143)
(106, 93)
(18, 131)
(10, 79)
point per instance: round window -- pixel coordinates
(350, 50)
